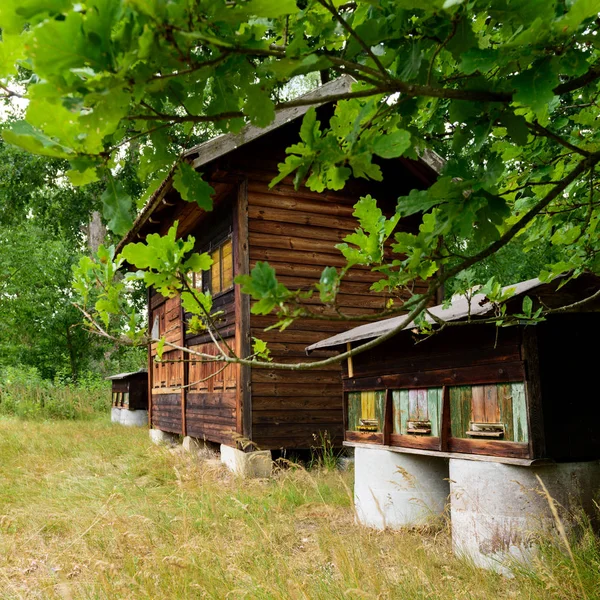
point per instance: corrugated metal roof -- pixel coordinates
(459, 308)
(125, 375)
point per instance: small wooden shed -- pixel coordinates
(130, 390)
(130, 398)
(515, 394)
(295, 231)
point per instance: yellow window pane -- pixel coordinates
(227, 271)
(215, 272)
(368, 405)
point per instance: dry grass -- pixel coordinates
(93, 510)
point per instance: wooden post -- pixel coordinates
(150, 365)
(185, 371)
(242, 312)
(350, 363)
(445, 424)
(533, 393)
(388, 422)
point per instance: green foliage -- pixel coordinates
(369, 239)
(25, 394)
(165, 263)
(192, 187)
(260, 349)
(507, 94)
(262, 286)
(117, 207)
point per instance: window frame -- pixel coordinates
(206, 276)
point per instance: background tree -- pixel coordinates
(43, 232)
(505, 92)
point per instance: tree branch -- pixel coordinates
(583, 166)
(348, 28)
(537, 128)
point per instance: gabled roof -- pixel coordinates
(204, 153)
(461, 308)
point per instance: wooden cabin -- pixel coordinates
(295, 231)
(514, 394)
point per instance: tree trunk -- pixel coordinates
(96, 232)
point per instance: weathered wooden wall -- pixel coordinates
(295, 231)
(167, 376)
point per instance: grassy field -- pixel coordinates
(93, 510)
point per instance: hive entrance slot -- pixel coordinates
(368, 425)
(418, 427)
(486, 430)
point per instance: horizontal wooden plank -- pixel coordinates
(166, 413)
(426, 442)
(302, 377)
(259, 227)
(305, 442)
(213, 412)
(296, 389)
(169, 426)
(296, 402)
(283, 266)
(474, 375)
(425, 361)
(263, 321)
(299, 204)
(293, 353)
(211, 420)
(212, 435)
(364, 437)
(265, 240)
(203, 399)
(489, 447)
(524, 462)
(296, 416)
(309, 257)
(225, 332)
(281, 215)
(289, 336)
(264, 430)
(259, 184)
(308, 283)
(165, 399)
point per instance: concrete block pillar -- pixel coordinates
(247, 464)
(498, 510)
(393, 489)
(163, 437)
(115, 414)
(134, 418)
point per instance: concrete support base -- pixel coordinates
(163, 437)
(247, 464)
(396, 490)
(115, 415)
(130, 418)
(199, 448)
(498, 511)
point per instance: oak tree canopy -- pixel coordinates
(506, 92)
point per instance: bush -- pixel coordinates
(25, 394)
